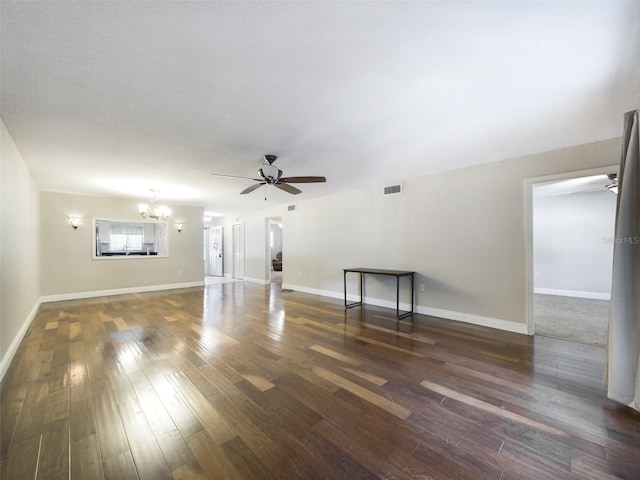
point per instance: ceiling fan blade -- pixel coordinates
(236, 176)
(252, 188)
(288, 188)
(303, 179)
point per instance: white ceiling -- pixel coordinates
(572, 186)
(117, 98)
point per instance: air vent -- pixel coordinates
(392, 189)
(291, 208)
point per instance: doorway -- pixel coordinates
(273, 250)
(572, 220)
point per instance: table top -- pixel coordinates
(379, 271)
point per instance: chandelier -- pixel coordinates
(155, 211)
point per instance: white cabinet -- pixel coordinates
(104, 232)
(149, 233)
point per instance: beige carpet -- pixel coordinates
(578, 319)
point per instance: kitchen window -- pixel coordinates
(121, 236)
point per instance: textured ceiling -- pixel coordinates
(117, 98)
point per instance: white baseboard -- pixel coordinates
(13, 348)
(118, 291)
(497, 323)
(315, 291)
(471, 318)
(573, 293)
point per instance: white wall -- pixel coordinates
(68, 268)
(573, 243)
(19, 249)
(463, 232)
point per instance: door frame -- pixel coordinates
(528, 215)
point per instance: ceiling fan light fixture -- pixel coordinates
(270, 171)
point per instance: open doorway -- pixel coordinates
(572, 236)
(273, 248)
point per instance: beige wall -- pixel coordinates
(19, 249)
(67, 264)
(463, 232)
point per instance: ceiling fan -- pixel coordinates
(594, 183)
(612, 187)
(272, 175)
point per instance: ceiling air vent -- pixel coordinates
(392, 189)
(291, 208)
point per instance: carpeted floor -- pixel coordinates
(578, 319)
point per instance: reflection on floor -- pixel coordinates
(242, 382)
(577, 319)
(212, 280)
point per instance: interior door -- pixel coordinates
(238, 251)
(215, 251)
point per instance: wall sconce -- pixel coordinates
(179, 226)
(75, 222)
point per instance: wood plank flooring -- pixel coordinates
(240, 381)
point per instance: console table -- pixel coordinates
(377, 271)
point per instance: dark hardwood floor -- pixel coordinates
(240, 381)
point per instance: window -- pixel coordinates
(121, 236)
(117, 238)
